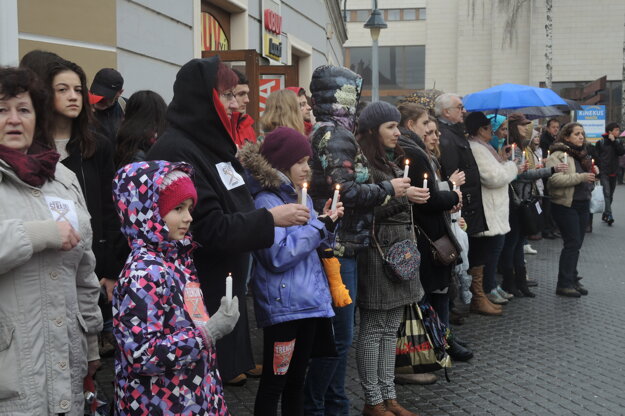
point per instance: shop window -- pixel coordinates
(393, 15)
(410, 14)
(401, 67)
(422, 14)
(362, 15)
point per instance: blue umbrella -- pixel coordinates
(511, 96)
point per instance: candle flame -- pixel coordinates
(338, 186)
(453, 183)
(305, 185)
(425, 176)
(407, 162)
(229, 274)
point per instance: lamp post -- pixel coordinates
(375, 23)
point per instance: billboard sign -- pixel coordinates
(593, 118)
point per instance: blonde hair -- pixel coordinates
(282, 109)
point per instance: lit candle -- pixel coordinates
(548, 153)
(304, 194)
(406, 167)
(513, 151)
(523, 157)
(229, 288)
(455, 187)
(593, 165)
(566, 158)
(335, 199)
(425, 180)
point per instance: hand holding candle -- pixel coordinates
(425, 180)
(566, 158)
(304, 196)
(455, 187)
(406, 167)
(335, 198)
(229, 288)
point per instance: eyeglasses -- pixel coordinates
(229, 95)
(459, 107)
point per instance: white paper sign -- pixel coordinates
(538, 208)
(230, 178)
(63, 210)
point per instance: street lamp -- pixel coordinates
(375, 23)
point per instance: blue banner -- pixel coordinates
(592, 117)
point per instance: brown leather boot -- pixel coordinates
(397, 410)
(376, 410)
(479, 302)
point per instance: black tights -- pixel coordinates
(290, 385)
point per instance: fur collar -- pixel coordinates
(259, 169)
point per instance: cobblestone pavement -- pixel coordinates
(546, 356)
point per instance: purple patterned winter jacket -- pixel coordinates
(163, 365)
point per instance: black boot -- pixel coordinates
(520, 278)
(457, 352)
(508, 284)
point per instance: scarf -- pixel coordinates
(578, 152)
(34, 169)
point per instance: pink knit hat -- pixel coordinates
(176, 187)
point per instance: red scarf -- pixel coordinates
(34, 169)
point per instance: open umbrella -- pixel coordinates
(511, 96)
(532, 113)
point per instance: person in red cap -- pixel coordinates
(105, 95)
(304, 107)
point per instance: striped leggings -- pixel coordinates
(375, 353)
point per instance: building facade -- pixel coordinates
(149, 40)
(470, 45)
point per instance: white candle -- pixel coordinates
(512, 153)
(548, 153)
(335, 199)
(406, 167)
(425, 180)
(229, 288)
(455, 187)
(523, 157)
(566, 158)
(304, 194)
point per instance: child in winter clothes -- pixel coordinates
(291, 294)
(166, 361)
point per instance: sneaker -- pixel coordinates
(581, 289)
(496, 298)
(610, 219)
(527, 249)
(503, 293)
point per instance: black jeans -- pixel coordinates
(512, 256)
(485, 251)
(286, 382)
(609, 185)
(572, 223)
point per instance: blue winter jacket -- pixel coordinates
(288, 279)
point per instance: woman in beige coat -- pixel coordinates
(49, 316)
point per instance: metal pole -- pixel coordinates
(375, 73)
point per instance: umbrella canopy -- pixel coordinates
(425, 98)
(571, 105)
(532, 113)
(511, 96)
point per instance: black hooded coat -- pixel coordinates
(225, 221)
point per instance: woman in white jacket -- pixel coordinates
(495, 176)
(49, 315)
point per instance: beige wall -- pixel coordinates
(397, 33)
(466, 51)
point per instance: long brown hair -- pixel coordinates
(410, 111)
(374, 151)
(82, 138)
(282, 110)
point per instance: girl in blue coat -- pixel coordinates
(291, 295)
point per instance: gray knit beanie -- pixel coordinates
(377, 113)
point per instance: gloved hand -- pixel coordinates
(340, 294)
(223, 321)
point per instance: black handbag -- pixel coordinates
(402, 259)
(529, 211)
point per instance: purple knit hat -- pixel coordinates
(284, 146)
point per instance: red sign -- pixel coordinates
(267, 86)
(273, 22)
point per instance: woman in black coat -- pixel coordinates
(226, 224)
(432, 218)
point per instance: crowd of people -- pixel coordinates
(138, 229)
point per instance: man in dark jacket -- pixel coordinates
(547, 138)
(226, 224)
(456, 154)
(609, 148)
(338, 160)
(106, 96)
